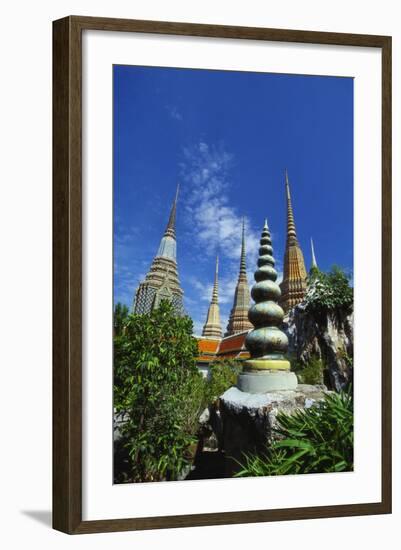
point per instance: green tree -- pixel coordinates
(311, 373)
(158, 393)
(121, 313)
(315, 440)
(329, 291)
(222, 375)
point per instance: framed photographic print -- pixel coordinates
(222, 274)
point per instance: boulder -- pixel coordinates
(247, 421)
(328, 336)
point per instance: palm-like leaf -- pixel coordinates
(319, 439)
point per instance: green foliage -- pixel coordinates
(121, 313)
(311, 373)
(349, 361)
(315, 440)
(222, 375)
(329, 291)
(196, 400)
(159, 393)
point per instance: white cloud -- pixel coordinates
(129, 269)
(216, 225)
(226, 289)
(204, 293)
(198, 327)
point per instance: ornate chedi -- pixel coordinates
(238, 321)
(212, 327)
(293, 286)
(267, 369)
(162, 282)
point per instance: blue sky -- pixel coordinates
(227, 138)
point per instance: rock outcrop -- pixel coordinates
(327, 336)
(244, 422)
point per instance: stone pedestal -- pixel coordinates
(247, 420)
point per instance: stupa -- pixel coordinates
(212, 326)
(268, 369)
(238, 321)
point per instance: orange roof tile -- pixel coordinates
(208, 346)
(230, 347)
(233, 343)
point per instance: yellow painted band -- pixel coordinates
(267, 364)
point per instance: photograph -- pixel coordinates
(204, 198)
(233, 274)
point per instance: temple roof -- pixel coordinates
(208, 345)
(229, 347)
(233, 343)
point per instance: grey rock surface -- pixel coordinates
(248, 420)
(329, 337)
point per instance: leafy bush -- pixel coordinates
(315, 440)
(329, 291)
(222, 375)
(196, 400)
(158, 392)
(311, 373)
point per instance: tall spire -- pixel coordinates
(212, 326)
(293, 286)
(238, 321)
(314, 262)
(170, 228)
(215, 294)
(168, 245)
(242, 267)
(162, 282)
(291, 232)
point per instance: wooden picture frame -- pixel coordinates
(67, 273)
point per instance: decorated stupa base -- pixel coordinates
(264, 381)
(267, 364)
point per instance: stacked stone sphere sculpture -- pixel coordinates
(267, 369)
